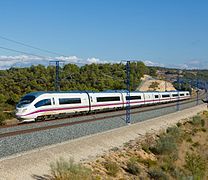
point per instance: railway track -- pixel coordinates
(24, 137)
(12, 130)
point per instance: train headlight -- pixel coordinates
(25, 109)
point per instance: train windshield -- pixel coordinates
(25, 101)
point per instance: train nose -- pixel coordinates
(21, 110)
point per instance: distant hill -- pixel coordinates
(150, 84)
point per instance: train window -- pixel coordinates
(165, 95)
(133, 97)
(53, 101)
(105, 99)
(44, 102)
(175, 95)
(182, 94)
(187, 94)
(69, 100)
(25, 100)
(156, 96)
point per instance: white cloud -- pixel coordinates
(68, 59)
(191, 64)
(194, 64)
(27, 60)
(95, 60)
(151, 63)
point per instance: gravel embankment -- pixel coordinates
(36, 163)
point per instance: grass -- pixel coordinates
(196, 144)
(63, 170)
(157, 174)
(161, 160)
(196, 165)
(132, 166)
(149, 162)
(196, 120)
(165, 144)
(2, 118)
(112, 168)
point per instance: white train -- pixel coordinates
(37, 106)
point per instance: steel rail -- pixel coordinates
(100, 113)
(36, 129)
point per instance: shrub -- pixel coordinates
(196, 120)
(196, 165)
(179, 124)
(132, 166)
(205, 113)
(112, 168)
(149, 162)
(174, 132)
(2, 118)
(165, 145)
(203, 129)
(157, 174)
(62, 170)
(202, 122)
(168, 166)
(195, 144)
(114, 149)
(145, 147)
(189, 140)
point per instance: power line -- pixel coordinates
(27, 45)
(14, 50)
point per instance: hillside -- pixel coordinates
(150, 84)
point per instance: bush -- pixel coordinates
(203, 129)
(165, 145)
(189, 140)
(157, 174)
(62, 170)
(132, 167)
(179, 124)
(2, 118)
(196, 165)
(145, 147)
(202, 122)
(205, 113)
(196, 144)
(149, 162)
(196, 120)
(174, 132)
(112, 168)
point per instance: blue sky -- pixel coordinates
(172, 33)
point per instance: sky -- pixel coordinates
(170, 33)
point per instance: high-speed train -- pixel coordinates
(38, 106)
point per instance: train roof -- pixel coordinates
(38, 93)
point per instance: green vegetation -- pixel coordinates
(112, 168)
(165, 144)
(133, 167)
(63, 170)
(154, 86)
(2, 118)
(180, 152)
(157, 174)
(16, 82)
(196, 165)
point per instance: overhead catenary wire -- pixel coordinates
(30, 46)
(26, 53)
(37, 48)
